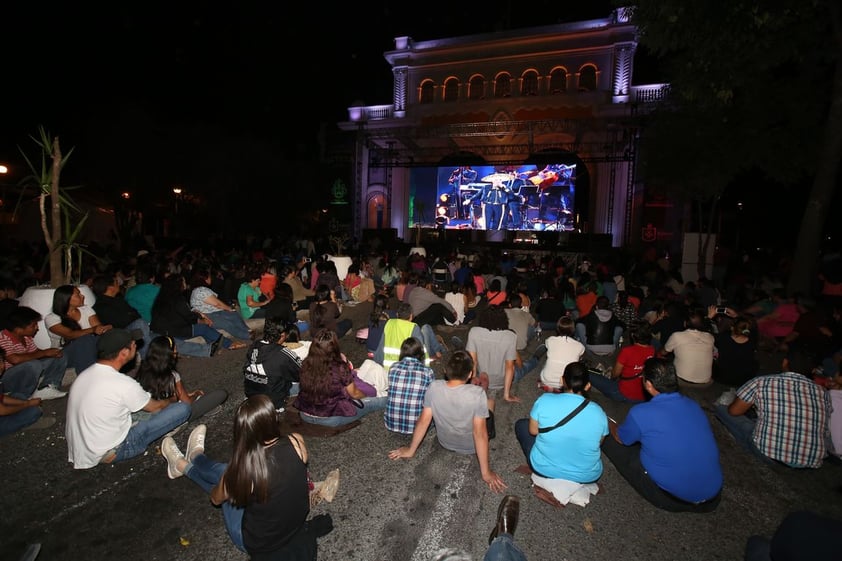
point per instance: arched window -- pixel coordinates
(558, 81)
(427, 92)
(477, 88)
(529, 83)
(587, 78)
(451, 89)
(503, 86)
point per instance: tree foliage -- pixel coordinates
(754, 86)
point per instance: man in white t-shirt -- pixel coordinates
(102, 400)
(693, 351)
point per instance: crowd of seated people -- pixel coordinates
(656, 341)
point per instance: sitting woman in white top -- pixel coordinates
(74, 327)
(562, 349)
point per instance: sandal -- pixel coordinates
(238, 345)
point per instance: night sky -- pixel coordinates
(152, 95)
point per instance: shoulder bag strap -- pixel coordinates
(568, 417)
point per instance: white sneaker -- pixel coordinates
(171, 453)
(49, 392)
(196, 442)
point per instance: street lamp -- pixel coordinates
(3, 169)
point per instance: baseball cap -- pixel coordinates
(115, 339)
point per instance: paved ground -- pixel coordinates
(384, 510)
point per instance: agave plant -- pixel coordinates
(57, 224)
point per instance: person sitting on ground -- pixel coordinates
(693, 350)
(294, 342)
(457, 299)
(791, 425)
(99, 427)
(624, 310)
(735, 358)
(329, 395)
(495, 295)
(626, 381)
(172, 317)
(358, 288)
(460, 411)
(74, 327)
(493, 348)
(570, 451)
(268, 281)
(158, 375)
(271, 368)
(396, 330)
(428, 308)
(777, 324)
(264, 491)
(281, 304)
(549, 308)
(24, 364)
(521, 322)
(562, 349)
(325, 311)
(409, 379)
(300, 294)
(250, 299)
(142, 295)
(665, 447)
(18, 410)
(112, 309)
(380, 314)
(600, 331)
(207, 302)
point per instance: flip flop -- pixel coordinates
(238, 345)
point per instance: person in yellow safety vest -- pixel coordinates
(397, 330)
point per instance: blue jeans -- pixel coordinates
(22, 379)
(504, 548)
(610, 388)
(526, 440)
(370, 404)
(148, 431)
(527, 367)
(742, 428)
(430, 342)
(80, 353)
(143, 326)
(231, 322)
(21, 419)
(206, 473)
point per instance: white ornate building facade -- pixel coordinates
(559, 92)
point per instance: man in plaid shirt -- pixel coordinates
(408, 382)
(792, 419)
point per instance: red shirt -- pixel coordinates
(632, 358)
(13, 346)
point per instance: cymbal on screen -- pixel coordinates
(499, 177)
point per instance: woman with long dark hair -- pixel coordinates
(329, 395)
(74, 327)
(264, 491)
(325, 311)
(158, 375)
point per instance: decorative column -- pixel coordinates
(399, 94)
(623, 64)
